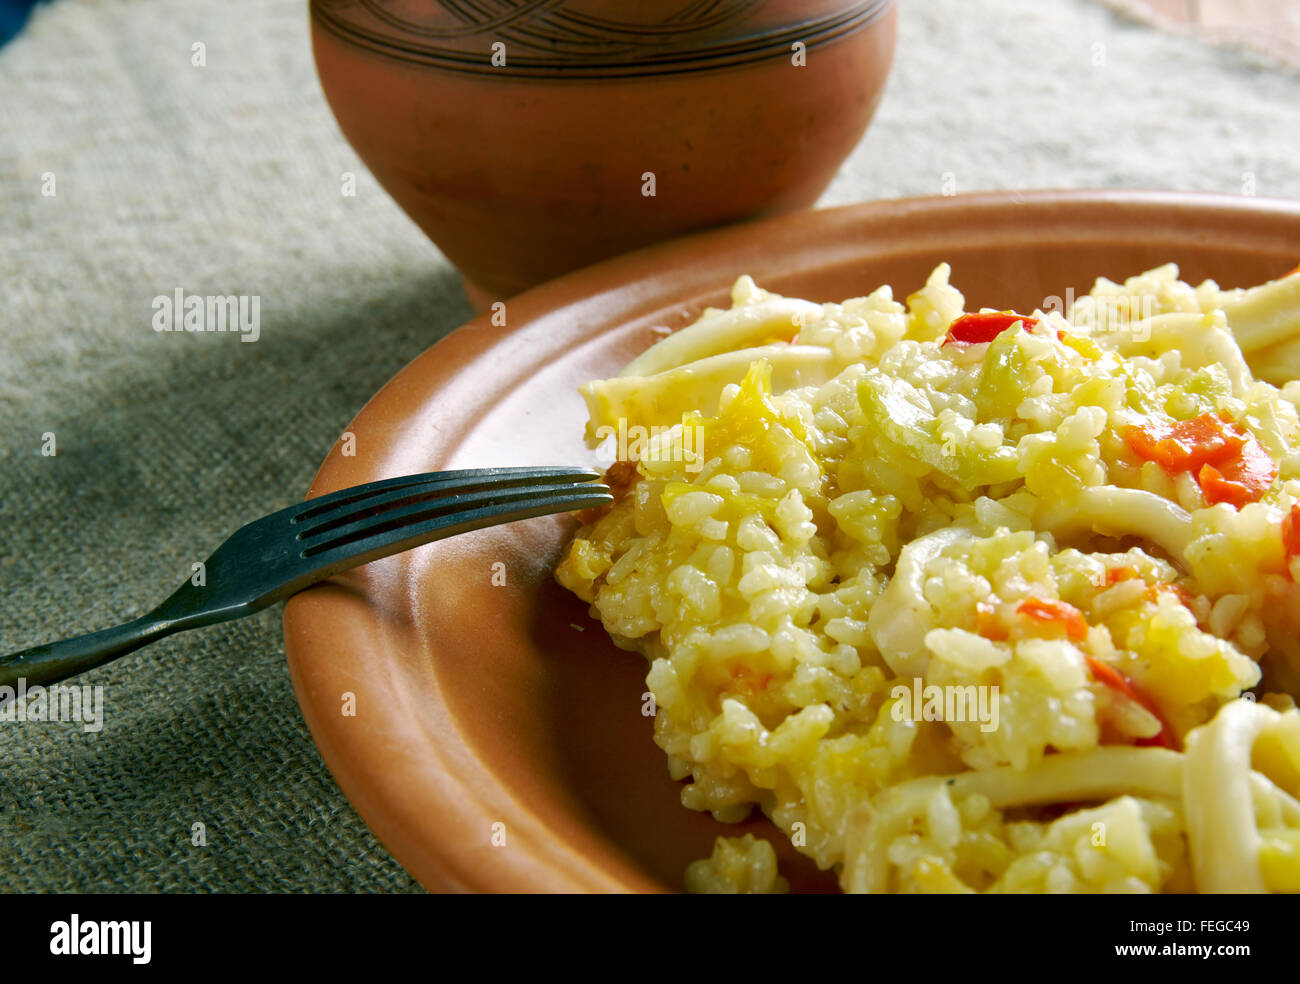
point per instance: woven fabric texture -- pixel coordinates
(225, 178)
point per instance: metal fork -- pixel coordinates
(280, 554)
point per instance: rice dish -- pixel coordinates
(969, 602)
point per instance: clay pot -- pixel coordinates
(543, 135)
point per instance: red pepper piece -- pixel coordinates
(971, 329)
(1188, 444)
(988, 624)
(1229, 463)
(1122, 685)
(1241, 479)
(1056, 612)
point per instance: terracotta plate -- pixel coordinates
(498, 741)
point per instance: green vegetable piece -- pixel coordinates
(916, 430)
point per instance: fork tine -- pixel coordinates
(375, 494)
(372, 505)
(318, 539)
(383, 535)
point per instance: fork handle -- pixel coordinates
(57, 661)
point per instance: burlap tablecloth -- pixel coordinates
(225, 179)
